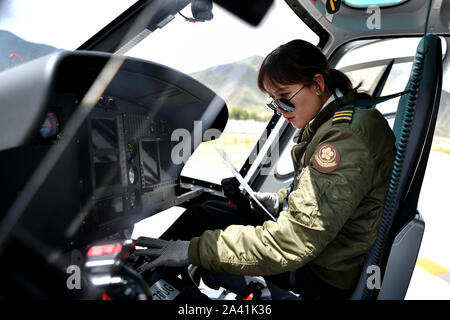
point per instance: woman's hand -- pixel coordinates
(269, 200)
(164, 253)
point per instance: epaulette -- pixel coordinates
(343, 115)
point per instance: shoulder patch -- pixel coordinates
(343, 115)
(326, 158)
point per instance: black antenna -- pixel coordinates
(428, 16)
(201, 11)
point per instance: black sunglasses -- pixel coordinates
(284, 104)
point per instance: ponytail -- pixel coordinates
(335, 79)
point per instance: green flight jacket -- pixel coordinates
(332, 218)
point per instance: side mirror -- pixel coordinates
(252, 11)
(202, 10)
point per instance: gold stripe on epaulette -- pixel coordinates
(342, 118)
(342, 115)
(347, 112)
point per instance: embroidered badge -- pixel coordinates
(326, 158)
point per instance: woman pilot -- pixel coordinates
(328, 219)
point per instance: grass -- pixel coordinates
(440, 148)
(237, 147)
(441, 144)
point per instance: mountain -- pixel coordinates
(237, 84)
(10, 43)
(226, 78)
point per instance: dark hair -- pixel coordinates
(298, 61)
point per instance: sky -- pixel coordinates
(185, 46)
(224, 39)
(64, 24)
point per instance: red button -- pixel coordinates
(103, 250)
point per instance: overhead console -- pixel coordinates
(79, 170)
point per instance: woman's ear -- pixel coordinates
(319, 82)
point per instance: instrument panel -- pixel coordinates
(130, 158)
(78, 173)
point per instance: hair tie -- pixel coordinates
(329, 80)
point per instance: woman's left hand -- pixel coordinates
(165, 253)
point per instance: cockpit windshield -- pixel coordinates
(30, 29)
(225, 54)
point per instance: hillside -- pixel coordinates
(237, 84)
(10, 43)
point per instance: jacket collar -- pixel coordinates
(329, 109)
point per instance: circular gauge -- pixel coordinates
(132, 175)
(50, 127)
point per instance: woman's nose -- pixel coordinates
(279, 111)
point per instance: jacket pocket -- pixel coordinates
(304, 201)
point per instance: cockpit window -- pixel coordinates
(364, 65)
(225, 54)
(367, 3)
(31, 29)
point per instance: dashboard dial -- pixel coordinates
(50, 127)
(132, 175)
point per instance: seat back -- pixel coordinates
(414, 128)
